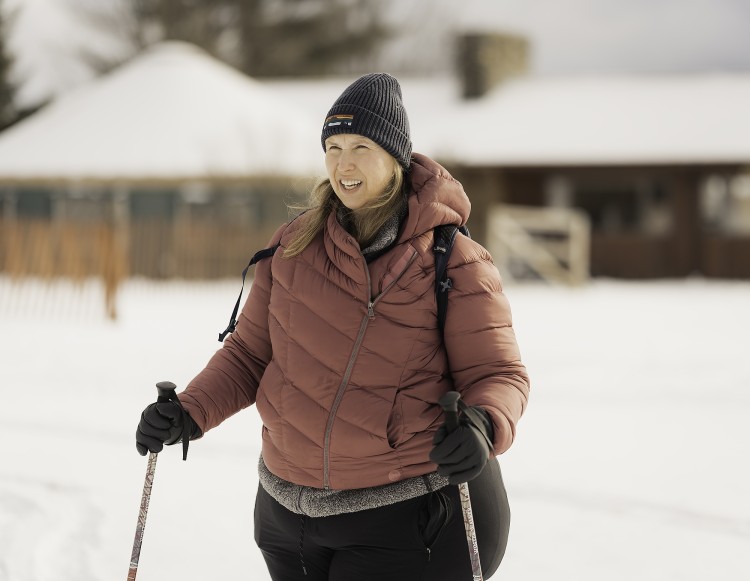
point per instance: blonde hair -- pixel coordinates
(363, 223)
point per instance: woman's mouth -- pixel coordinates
(350, 185)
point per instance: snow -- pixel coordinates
(613, 119)
(172, 113)
(631, 462)
(620, 120)
(175, 113)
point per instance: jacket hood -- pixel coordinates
(436, 198)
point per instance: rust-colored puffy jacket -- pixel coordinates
(345, 361)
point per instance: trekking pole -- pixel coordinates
(449, 403)
(166, 391)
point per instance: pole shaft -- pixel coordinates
(471, 533)
(145, 497)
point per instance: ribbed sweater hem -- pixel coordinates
(318, 502)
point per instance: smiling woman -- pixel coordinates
(340, 347)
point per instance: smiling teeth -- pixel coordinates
(350, 183)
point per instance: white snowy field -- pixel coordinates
(630, 464)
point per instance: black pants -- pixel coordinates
(418, 539)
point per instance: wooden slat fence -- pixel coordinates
(194, 249)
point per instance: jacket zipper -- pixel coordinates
(350, 366)
(340, 395)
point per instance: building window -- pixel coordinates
(34, 204)
(617, 206)
(725, 203)
(152, 204)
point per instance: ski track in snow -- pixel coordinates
(637, 509)
(47, 531)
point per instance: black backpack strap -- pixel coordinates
(445, 236)
(260, 255)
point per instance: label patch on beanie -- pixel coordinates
(337, 120)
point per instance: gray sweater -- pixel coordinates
(317, 502)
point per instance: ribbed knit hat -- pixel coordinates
(372, 106)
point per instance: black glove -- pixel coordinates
(164, 423)
(462, 454)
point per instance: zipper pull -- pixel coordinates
(371, 309)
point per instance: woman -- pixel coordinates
(338, 346)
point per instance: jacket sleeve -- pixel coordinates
(229, 382)
(483, 355)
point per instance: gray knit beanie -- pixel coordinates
(372, 106)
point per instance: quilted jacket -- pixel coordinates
(344, 360)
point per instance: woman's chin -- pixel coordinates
(350, 199)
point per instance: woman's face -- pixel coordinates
(359, 169)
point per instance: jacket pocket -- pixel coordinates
(395, 428)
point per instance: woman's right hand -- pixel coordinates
(162, 423)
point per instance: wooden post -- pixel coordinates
(116, 256)
(687, 227)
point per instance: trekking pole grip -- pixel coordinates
(449, 403)
(166, 391)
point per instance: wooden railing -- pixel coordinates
(551, 243)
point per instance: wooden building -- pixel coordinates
(192, 163)
(173, 165)
(659, 164)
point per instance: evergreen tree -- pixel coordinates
(264, 38)
(308, 37)
(7, 91)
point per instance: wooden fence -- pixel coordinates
(71, 250)
(158, 249)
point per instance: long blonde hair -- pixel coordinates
(363, 223)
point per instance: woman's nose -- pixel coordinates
(345, 160)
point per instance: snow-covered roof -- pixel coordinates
(596, 120)
(173, 113)
(177, 114)
(610, 120)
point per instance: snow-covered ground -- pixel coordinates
(631, 463)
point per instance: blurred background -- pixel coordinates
(149, 147)
(595, 138)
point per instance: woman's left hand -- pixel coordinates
(461, 454)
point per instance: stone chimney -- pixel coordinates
(486, 59)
